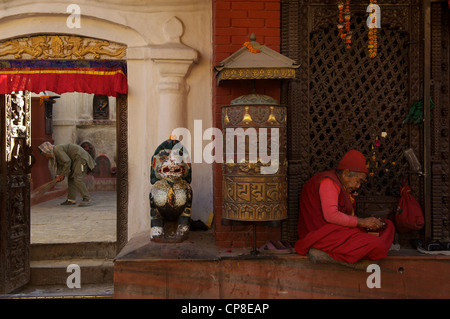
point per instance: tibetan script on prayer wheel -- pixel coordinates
(255, 166)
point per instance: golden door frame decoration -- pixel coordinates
(60, 47)
(67, 47)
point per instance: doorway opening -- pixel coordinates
(61, 69)
(88, 120)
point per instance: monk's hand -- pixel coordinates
(370, 223)
(59, 178)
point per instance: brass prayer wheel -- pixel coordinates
(254, 176)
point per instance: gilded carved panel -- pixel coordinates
(60, 47)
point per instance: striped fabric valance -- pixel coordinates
(107, 77)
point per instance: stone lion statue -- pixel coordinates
(171, 193)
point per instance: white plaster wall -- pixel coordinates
(139, 25)
(72, 109)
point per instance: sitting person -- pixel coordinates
(328, 228)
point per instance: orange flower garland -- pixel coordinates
(341, 19)
(250, 48)
(42, 98)
(345, 16)
(373, 40)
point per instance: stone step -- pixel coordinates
(87, 291)
(95, 250)
(55, 272)
(49, 270)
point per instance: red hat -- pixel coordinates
(354, 161)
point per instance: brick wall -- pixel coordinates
(233, 23)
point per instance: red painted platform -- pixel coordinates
(196, 268)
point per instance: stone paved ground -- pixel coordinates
(54, 223)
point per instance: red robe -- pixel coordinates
(349, 244)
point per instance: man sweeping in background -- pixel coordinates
(73, 162)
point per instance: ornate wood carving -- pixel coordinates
(15, 191)
(342, 99)
(252, 73)
(440, 124)
(122, 171)
(60, 47)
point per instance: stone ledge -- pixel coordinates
(196, 268)
(54, 272)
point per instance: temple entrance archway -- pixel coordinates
(16, 154)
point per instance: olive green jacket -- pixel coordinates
(71, 159)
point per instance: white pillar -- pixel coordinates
(173, 60)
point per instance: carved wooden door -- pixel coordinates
(440, 121)
(15, 170)
(343, 99)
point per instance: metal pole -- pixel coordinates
(426, 118)
(255, 250)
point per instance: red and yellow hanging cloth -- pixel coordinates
(62, 76)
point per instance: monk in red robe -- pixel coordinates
(327, 222)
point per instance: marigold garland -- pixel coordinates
(345, 15)
(373, 40)
(341, 19)
(250, 47)
(43, 98)
(344, 29)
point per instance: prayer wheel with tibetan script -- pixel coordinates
(255, 165)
